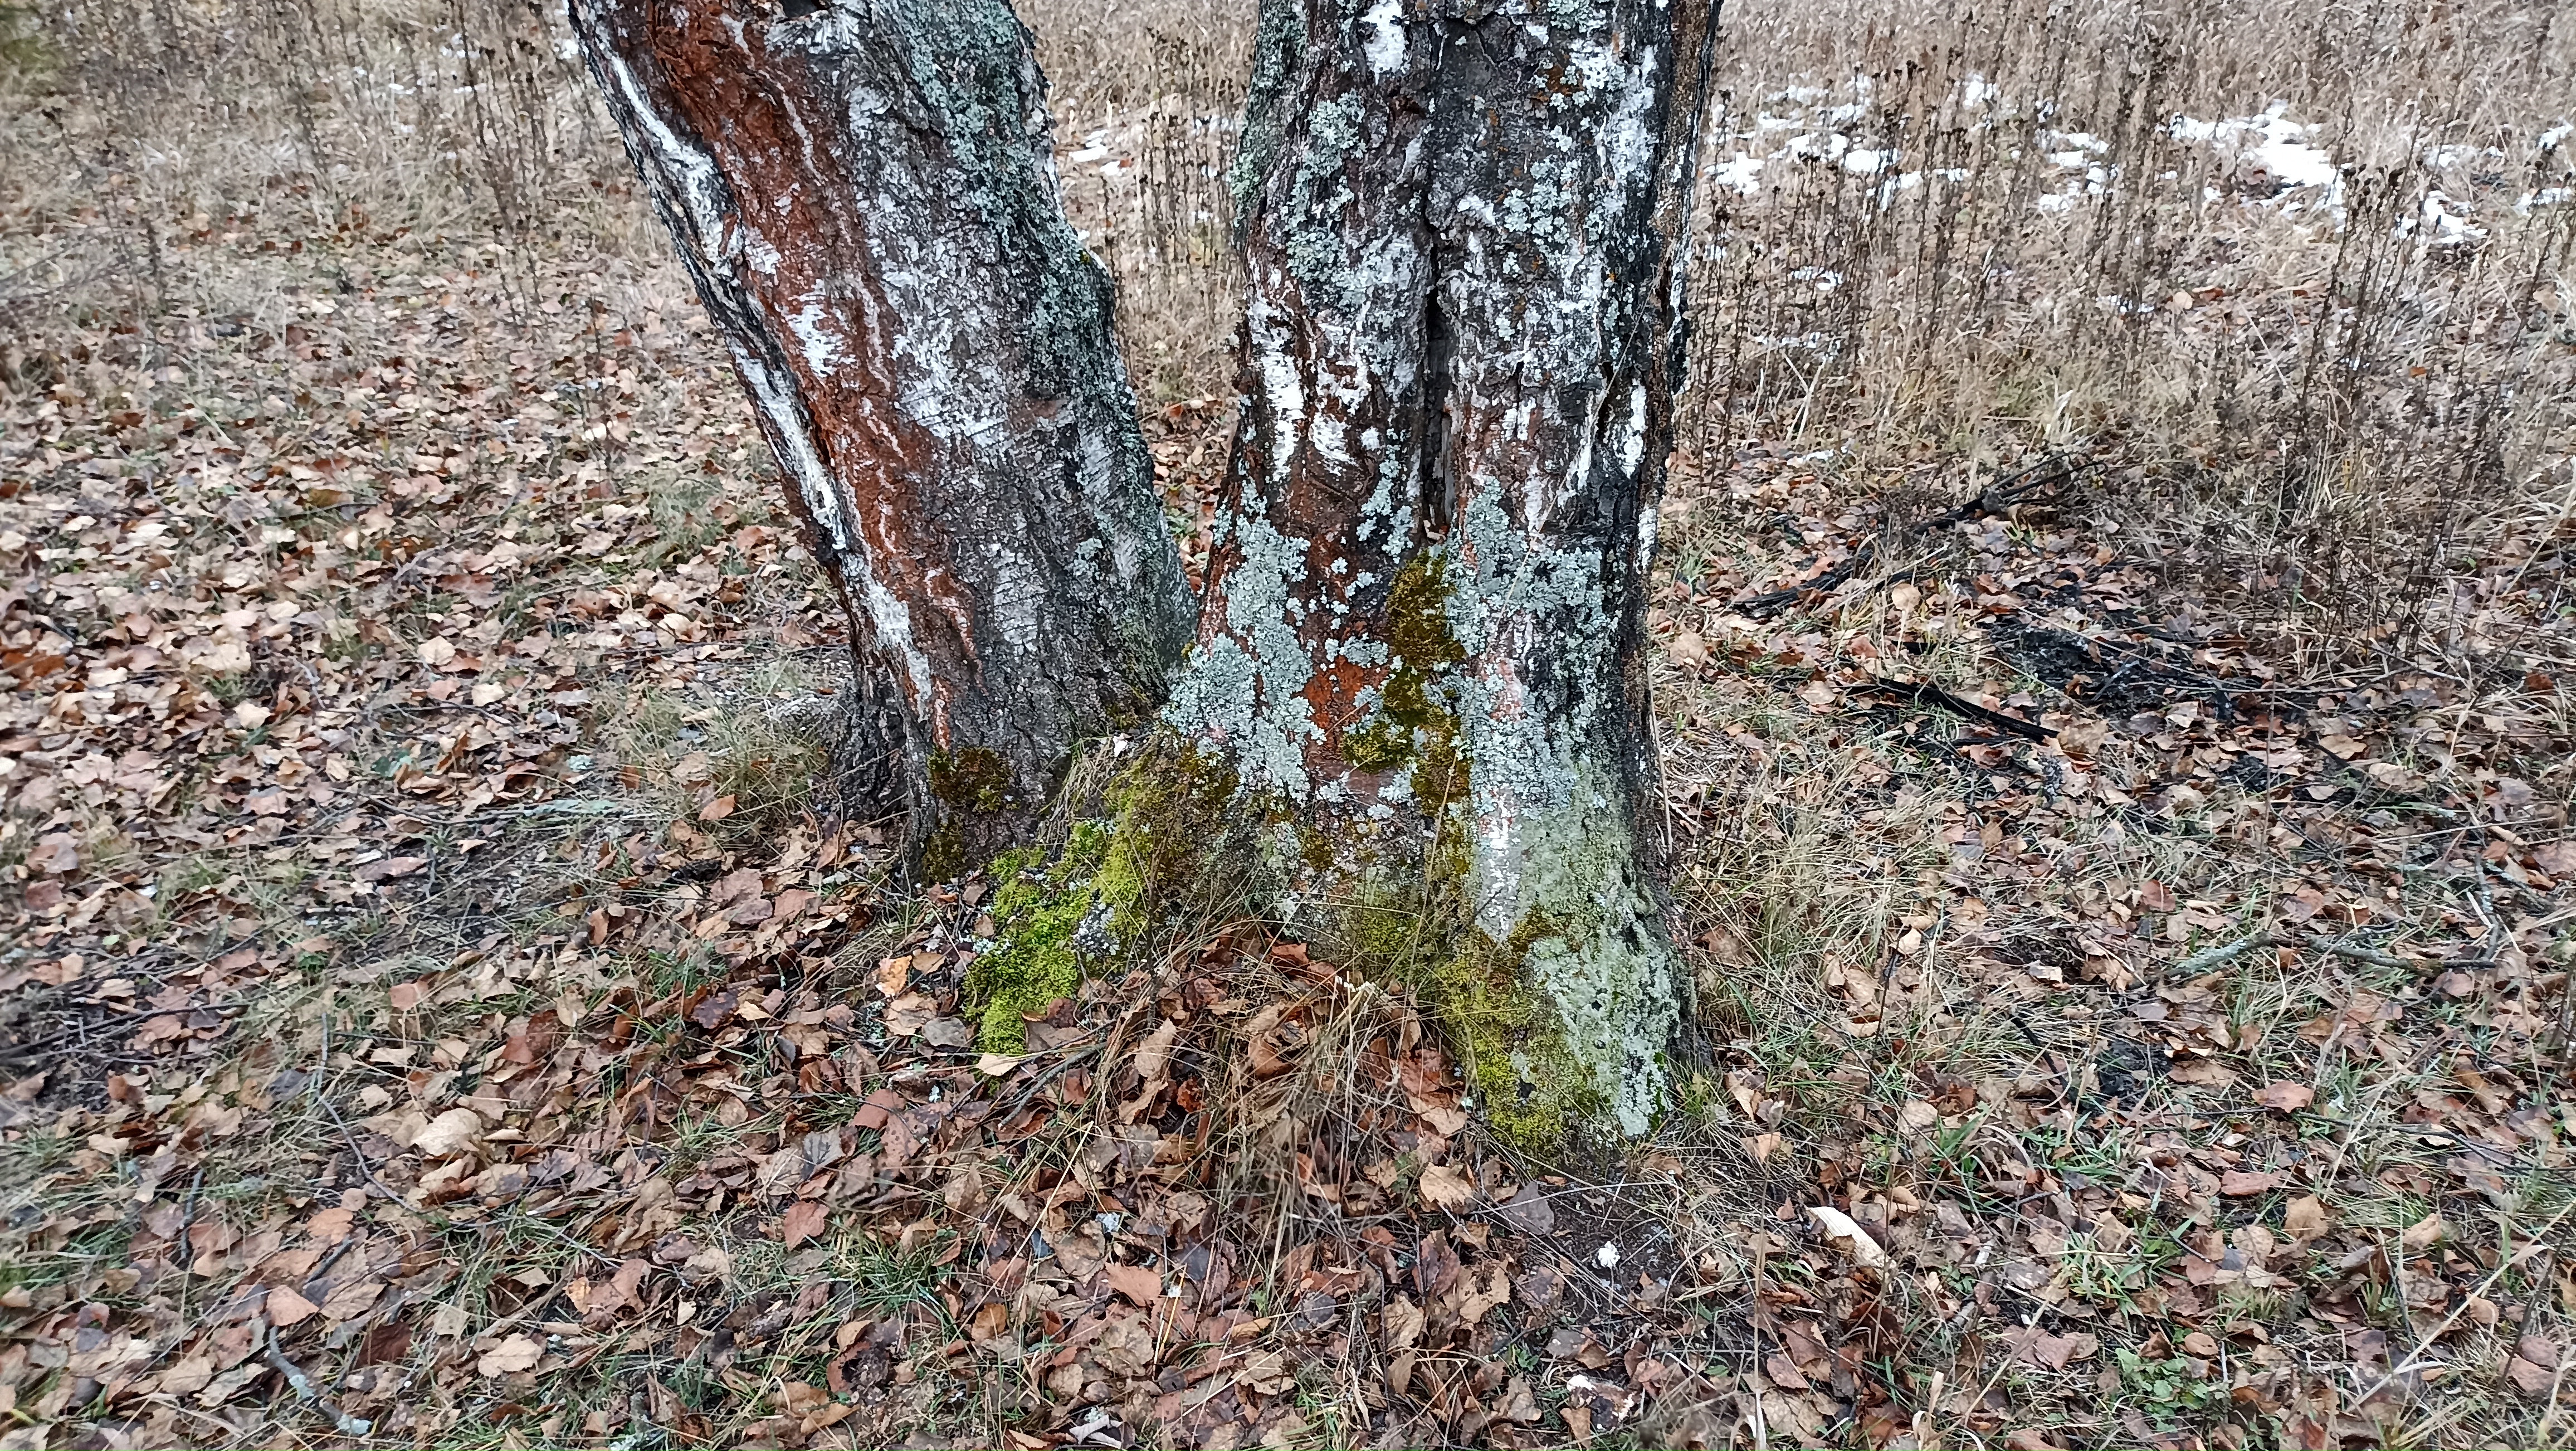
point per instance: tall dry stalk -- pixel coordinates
(2301, 273)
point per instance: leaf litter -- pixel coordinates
(446, 1002)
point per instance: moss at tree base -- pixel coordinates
(1119, 874)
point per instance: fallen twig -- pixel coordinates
(302, 1385)
(1772, 602)
(2204, 960)
(1923, 692)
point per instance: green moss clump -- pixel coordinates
(973, 779)
(1413, 720)
(1047, 919)
(1100, 894)
(1531, 1086)
(943, 853)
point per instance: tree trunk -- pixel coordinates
(1419, 658)
(1425, 616)
(866, 198)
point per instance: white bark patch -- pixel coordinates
(1019, 593)
(1385, 48)
(1632, 437)
(811, 322)
(700, 184)
(776, 398)
(1626, 137)
(1242, 688)
(1282, 385)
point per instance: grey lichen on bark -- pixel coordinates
(864, 195)
(1425, 621)
(1418, 663)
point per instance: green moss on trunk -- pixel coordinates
(1118, 873)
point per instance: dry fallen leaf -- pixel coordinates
(456, 1131)
(1445, 1188)
(2534, 1367)
(1141, 1286)
(894, 974)
(804, 1220)
(2306, 1217)
(2424, 1233)
(907, 1014)
(514, 1354)
(947, 1033)
(287, 1308)
(2287, 1097)
(1528, 1211)
(1151, 1061)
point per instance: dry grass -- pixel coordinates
(2014, 226)
(2331, 430)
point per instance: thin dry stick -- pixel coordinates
(302, 1385)
(322, 1094)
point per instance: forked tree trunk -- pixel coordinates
(1420, 651)
(865, 196)
(1426, 612)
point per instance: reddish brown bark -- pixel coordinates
(864, 195)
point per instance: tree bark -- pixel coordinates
(1420, 654)
(1424, 624)
(865, 196)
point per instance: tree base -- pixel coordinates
(1561, 1022)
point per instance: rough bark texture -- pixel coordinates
(1426, 609)
(866, 198)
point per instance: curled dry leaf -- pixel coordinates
(2306, 1217)
(454, 1132)
(2287, 1097)
(1152, 1062)
(1445, 1188)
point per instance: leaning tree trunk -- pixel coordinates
(1425, 615)
(865, 196)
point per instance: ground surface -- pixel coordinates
(444, 1005)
